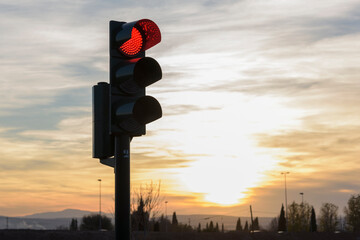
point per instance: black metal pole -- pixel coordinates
(252, 221)
(122, 187)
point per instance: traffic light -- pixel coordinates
(122, 107)
(103, 142)
(130, 73)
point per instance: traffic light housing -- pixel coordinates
(130, 73)
(122, 107)
(103, 142)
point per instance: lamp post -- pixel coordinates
(99, 203)
(302, 197)
(286, 211)
(166, 202)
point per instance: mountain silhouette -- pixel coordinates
(66, 213)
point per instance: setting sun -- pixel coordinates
(225, 159)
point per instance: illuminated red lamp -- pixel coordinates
(144, 35)
(134, 45)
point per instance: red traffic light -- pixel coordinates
(144, 35)
(134, 45)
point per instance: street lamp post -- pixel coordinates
(166, 202)
(99, 203)
(302, 197)
(286, 211)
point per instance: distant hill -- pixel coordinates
(61, 219)
(66, 213)
(34, 223)
(45, 221)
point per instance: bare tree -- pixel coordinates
(299, 217)
(352, 212)
(145, 203)
(328, 217)
(151, 197)
(273, 225)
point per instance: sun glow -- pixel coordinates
(226, 177)
(227, 162)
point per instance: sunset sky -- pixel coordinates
(250, 89)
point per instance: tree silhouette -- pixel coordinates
(299, 217)
(273, 225)
(139, 218)
(328, 217)
(73, 225)
(157, 226)
(211, 226)
(238, 225)
(352, 212)
(282, 220)
(174, 219)
(313, 225)
(145, 202)
(92, 222)
(217, 227)
(256, 224)
(246, 228)
(222, 228)
(164, 223)
(199, 228)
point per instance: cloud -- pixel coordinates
(185, 109)
(44, 57)
(146, 161)
(322, 161)
(321, 146)
(229, 63)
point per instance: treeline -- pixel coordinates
(161, 224)
(92, 222)
(302, 218)
(254, 226)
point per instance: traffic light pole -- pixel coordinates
(121, 108)
(122, 187)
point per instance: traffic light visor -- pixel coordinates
(147, 109)
(133, 115)
(144, 35)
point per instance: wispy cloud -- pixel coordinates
(282, 76)
(321, 147)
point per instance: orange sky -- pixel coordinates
(249, 89)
